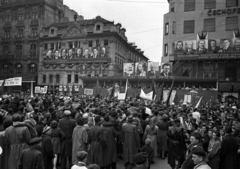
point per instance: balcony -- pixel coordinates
(34, 22)
(20, 24)
(7, 25)
(77, 61)
(19, 37)
(33, 36)
(218, 56)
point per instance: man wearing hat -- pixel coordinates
(131, 141)
(31, 158)
(198, 157)
(67, 125)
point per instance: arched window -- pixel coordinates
(18, 68)
(5, 69)
(32, 68)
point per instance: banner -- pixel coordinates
(76, 88)
(88, 92)
(41, 90)
(147, 96)
(16, 81)
(121, 96)
(60, 88)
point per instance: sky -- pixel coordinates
(142, 19)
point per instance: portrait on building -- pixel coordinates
(103, 52)
(225, 46)
(153, 68)
(202, 46)
(78, 52)
(64, 54)
(179, 47)
(71, 53)
(140, 69)
(95, 52)
(236, 44)
(128, 69)
(166, 70)
(213, 46)
(57, 54)
(87, 53)
(49, 54)
(190, 47)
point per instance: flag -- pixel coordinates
(2, 87)
(148, 96)
(97, 93)
(153, 89)
(169, 94)
(122, 96)
(198, 103)
(161, 96)
(111, 91)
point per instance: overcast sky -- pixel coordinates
(142, 19)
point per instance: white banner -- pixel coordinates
(88, 92)
(60, 88)
(121, 96)
(16, 81)
(41, 90)
(76, 88)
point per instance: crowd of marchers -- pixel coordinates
(56, 132)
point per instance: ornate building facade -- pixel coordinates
(76, 51)
(20, 24)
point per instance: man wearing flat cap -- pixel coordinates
(31, 158)
(67, 125)
(198, 157)
(81, 157)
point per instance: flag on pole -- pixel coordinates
(2, 87)
(199, 102)
(169, 94)
(122, 96)
(98, 92)
(153, 89)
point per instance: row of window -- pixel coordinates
(20, 33)
(57, 78)
(19, 69)
(190, 5)
(76, 44)
(22, 16)
(209, 25)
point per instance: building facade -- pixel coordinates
(202, 41)
(20, 24)
(75, 51)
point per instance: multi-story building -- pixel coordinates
(20, 24)
(75, 51)
(202, 41)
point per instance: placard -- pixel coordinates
(41, 90)
(16, 81)
(88, 92)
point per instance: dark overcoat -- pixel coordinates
(131, 141)
(228, 152)
(31, 158)
(67, 125)
(47, 151)
(110, 151)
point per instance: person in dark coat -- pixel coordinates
(57, 136)
(196, 143)
(149, 150)
(228, 152)
(67, 125)
(18, 139)
(47, 148)
(31, 158)
(131, 141)
(176, 145)
(97, 144)
(111, 135)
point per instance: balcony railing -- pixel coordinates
(78, 60)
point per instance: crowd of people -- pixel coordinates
(50, 132)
